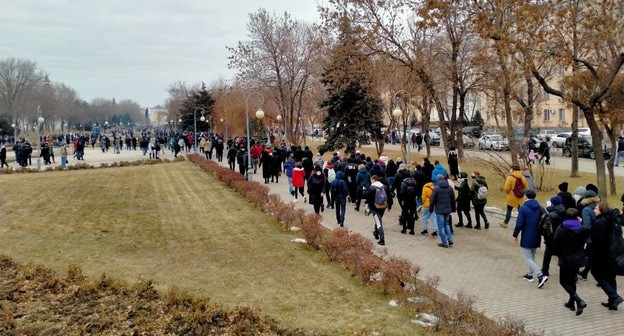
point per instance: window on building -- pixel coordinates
(561, 114)
(547, 113)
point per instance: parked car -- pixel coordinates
(473, 131)
(584, 131)
(493, 142)
(558, 141)
(434, 139)
(546, 133)
(585, 148)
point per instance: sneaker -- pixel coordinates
(450, 243)
(503, 225)
(541, 280)
(434, 234)
(412, 233)
(381, 242)
(443, 245)
(469, 226)
(528, 277)
(376, 235)
(423, 232)
(295, 200)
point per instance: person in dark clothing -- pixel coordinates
(407, 195)
(316, 185)
(276, 167)
(340, 193)
(219, 149)
(231, 157)
(308, 167)
(351, 171)
(391, 170)
(3, 156)
(566, 198)
(421, 179)
(362, 183)
(568, 243)
(555, 214)
(242, 160)
(453, 164)
(601, 269)
(419, 141)
(266, 161)
(479, 201)
(463, 201)
(376, 210)
(427, 168)
(443, 204)
(544, 152)
(587, 206)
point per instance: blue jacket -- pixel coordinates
(528, 221)
(362, 179)
(437, 170)
(288, 167)
(339, 187)
(442, 199)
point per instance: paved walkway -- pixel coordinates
(485, 264)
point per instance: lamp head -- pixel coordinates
(202, 118)
(40, 120)
(180, 120)
(259, 114)
(279, 117)
(397, 113)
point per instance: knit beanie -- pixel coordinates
(563, 186)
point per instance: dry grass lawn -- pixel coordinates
(178, 226)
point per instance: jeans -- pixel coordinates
(390, 180)
(548, 258)
(418, 201)
(425, 219)
(290, 186)
(479, 212)
(618, 157)
(341, 205)
(444, 228)
(567, 280)
(508, 214)
(606, 280)
(64, 161)
(529, 258)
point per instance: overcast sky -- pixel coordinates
(132, 49)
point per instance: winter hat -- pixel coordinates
(463, 175)
(556, 200)
(580, 190)
(530, 194)
(589, 194)
(439, 178)
(592, 187)
(563, 186)
(402, 166)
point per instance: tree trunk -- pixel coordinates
(597, 147)
(507, 102)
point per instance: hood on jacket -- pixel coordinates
(572, 224)
(480, 179)
(527, 174)
(590, 200)
(377, 184)
(442, 182)
(532, 204)
(516, 173)
(429, 185)
(340, 175)
(558, 209)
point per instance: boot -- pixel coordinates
(570, 304)
(487, 225)
(580, 305)
(478, 227)
(469, 226)
(381, 241)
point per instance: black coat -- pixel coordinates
(568, 244)
(266, 162)
(463, 196)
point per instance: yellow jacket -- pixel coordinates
(512, 200)
(426, 194)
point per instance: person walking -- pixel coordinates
(407, 194)
(377, 198)
(556, 213)
(527, 225)
(3, 156)
(362, 183)
(568, 243)
(463, 201)
(63, 156)
(316, 185)
(298, 181)
(600, 233)
(453, 163)
(442, 202)
(427, 190)
(515, 192)
(340, 192)
(438, 169)
(289, 165)
(231, 157)
(587, 206)
(479, 194)
(620, 151)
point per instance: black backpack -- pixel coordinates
(616, 242)
(408, 187)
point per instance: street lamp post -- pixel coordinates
(195, 125)
(40, 121)
(14, 133)
(259, 115)
(398, 113)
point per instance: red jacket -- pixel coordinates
(298, 175)
(256, 151)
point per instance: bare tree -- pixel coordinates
(280, 59)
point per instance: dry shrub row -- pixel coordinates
(396, 277)
(79, 305)
(84, 165)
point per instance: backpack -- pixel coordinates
(482, 192)
(331, 175)
(518, 188)
(381, 199)
(545, 226)
(408, 187)
(616, 243)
